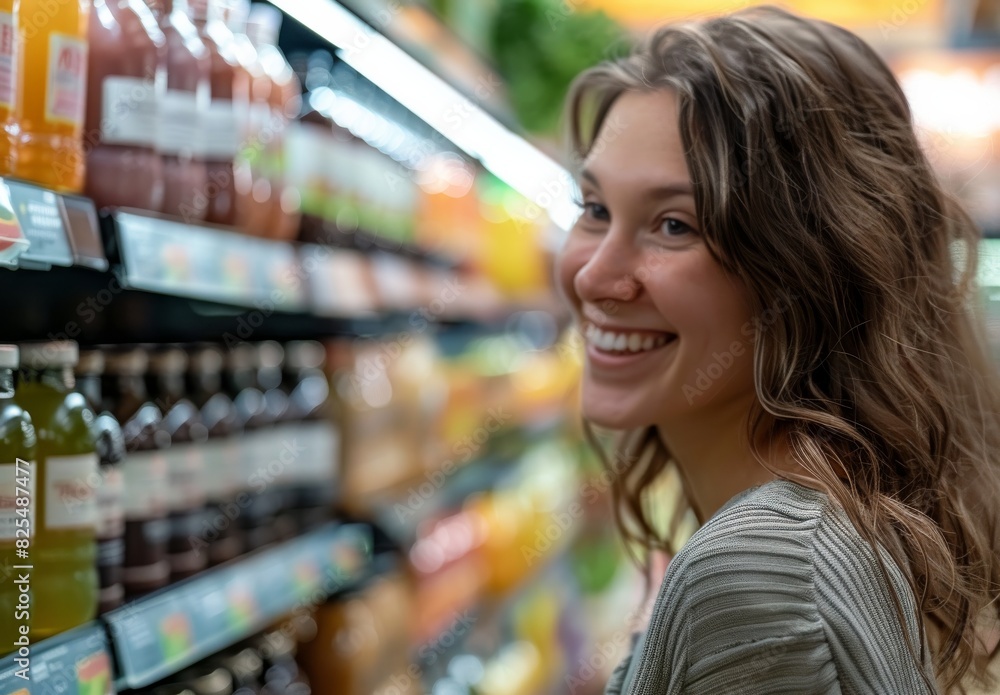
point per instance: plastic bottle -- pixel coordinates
(279, 454)
(9, 40)
(187, 551)
(221, 454)
(110, 442)
(126, 80)
(46, 131)
(230, 90)
(18, 471)
(253, 186)
(64, 552)
(263, 27)
(144, 472)
(181, 112)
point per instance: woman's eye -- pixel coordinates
(596, 211)
(672, 227)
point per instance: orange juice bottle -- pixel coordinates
(47, 129)
(8, 75)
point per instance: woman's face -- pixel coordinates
(667, 332)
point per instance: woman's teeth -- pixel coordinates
(625, 342)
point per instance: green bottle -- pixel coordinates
(64, 550)
(18, 472)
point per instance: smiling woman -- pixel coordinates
(763, 271)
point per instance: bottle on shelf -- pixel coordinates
(253, 187)
(263, 27)
(279, 453)
(9, 40)
(220, 454)
(181, 112)
(126, 80)
(46, 130)
(144, 472)
(230, 100)
(110, 443)
(312, 479)
(241, 386)
(208, 680)
(18, 473)
(64, 551)
(187, 550)
(246, 668)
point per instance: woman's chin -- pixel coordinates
(614, 415)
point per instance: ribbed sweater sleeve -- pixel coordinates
(777, 594)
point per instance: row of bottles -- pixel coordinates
(150, 465)
(164, 105)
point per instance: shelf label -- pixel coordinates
(39, 214)
(80, 218)
(13, 243)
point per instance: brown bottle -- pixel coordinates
(252, 185)
(285, 103)
(125, 78)
(187, 550)
(230, 100)
(184, 105)
(221, 455)
(110, 444)
(144, 472)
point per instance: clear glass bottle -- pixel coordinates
(64, 551)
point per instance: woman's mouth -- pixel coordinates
(625, 342)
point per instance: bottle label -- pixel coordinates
(66, 87)
(70, 492)
(128, 115)
(178, 132)
(222, 132)
(145, 480)
(220, 458)
(8, 60)
(13, 476)
(185, 472)
(320, 442)
(110, 494)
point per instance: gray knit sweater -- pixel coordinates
(776, 594)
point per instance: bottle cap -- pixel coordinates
(205, 359)
(236, 13)
(270, 355)
(240, 357)
(127, 362)
(9, 357)
(58, 353)
(91, 362)
(168, 359)
(304, 354)
(214, 682)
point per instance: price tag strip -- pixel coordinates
(78, 661)
(157, 636)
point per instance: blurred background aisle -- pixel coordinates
(288, 401)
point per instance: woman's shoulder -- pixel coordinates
(779, 577)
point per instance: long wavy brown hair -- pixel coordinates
(809, 181)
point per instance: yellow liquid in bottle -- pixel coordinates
(8, 76)
(17, 441)
(46, 132)
(64, 550)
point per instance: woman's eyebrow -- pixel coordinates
(667, 190)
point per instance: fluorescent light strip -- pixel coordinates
(504, 153)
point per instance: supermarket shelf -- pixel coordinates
(158, 635)
(75, 661)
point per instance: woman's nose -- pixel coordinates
(608, 273)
